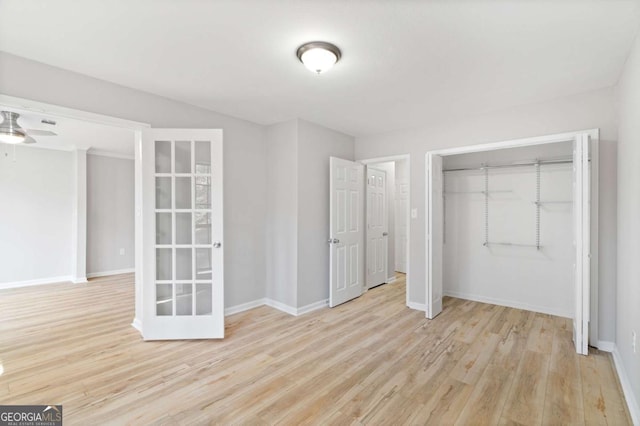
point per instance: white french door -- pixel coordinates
(582, 243)
(435, 234)
(377, 227)
(346, 224)
(182, 289)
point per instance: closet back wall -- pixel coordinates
(510, 275)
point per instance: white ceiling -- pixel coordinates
(405, 63)
(72, 133)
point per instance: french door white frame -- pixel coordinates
(407, 158)
(594, 135)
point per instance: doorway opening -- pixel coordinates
(386, 214)
(369, 239)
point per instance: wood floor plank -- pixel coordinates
(525, 403)
(369, 361)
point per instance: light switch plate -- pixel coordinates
(414, 213)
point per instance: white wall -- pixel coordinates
(315, 145)
(390, 169)
(585, 111)
(245, 189)
(36, 195)
(110, 214)
(628, 297)
(282, 213)
(522, 277)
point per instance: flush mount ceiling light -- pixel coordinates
(318, 56)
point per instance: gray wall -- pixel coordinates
(585, 111)
(315, 145)
(282, 213)
(245, 188)
(628, 314)
(36, 195)
(110, 214)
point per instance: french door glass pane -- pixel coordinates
(183, 193)
(184, 265)
(203, 192)
(164, 261)
(164, 299)
(163, 157)
(184, 299)
(203, 157)
(203, 263)
(163, 228)
(183, 157)
(203, 228)
(203, 299)
(183, 228)
(163, 193)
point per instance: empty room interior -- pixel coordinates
(320, 212)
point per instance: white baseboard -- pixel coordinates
(39, 281)
(630, 397)
(509, 304)
(391, 279)
(312, 307)
(605, 346)
(281, 306)
(244, 307)
(108, 273)
(79, 280)
(296, 311)
(137, 324)
(417, 306)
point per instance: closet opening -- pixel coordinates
(511, 225)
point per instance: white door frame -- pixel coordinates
(407, 158)
(137, 128)
(594, 135)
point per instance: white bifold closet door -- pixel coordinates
(346, 224)
(182, 253)
(435, 235)
(582, 243)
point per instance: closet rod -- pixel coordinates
(499, 166)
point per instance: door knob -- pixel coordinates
(217, 244)
(333, 241)
(384, 234)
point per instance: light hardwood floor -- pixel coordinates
(370, 361)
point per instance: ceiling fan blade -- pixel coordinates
(37, 132)
(29, 140)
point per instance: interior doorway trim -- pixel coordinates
(407, 158)
(594, 135)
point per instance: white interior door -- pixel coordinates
(435, 233)
(377, 227)
(581, 208)
(182, 289)
(346, 241)
(402, 235)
